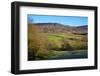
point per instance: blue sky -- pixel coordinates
(66, 20)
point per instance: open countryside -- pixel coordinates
(49, 40)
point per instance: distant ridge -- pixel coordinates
(60, 28)
(54, 24)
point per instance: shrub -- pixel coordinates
(84, 38)
(65, 45)
(36, 43)
(52, 45)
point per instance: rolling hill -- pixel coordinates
(60, 28)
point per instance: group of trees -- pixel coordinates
(62, 45)
(36, 43)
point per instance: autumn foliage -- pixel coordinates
(36, 43)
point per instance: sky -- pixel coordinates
(66, 20)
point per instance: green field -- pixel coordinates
(52, 36)
(72, 39)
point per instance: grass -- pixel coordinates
(73, 40)
(52, 36)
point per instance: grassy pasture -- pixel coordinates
(73, 40)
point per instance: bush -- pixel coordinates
(78, 45)
(52, 45)
(84, 38)
(65, 45)
(36, 43)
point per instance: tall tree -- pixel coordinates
(36, 43)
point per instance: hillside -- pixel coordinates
(60, 28)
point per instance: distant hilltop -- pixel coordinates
(60, 28)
